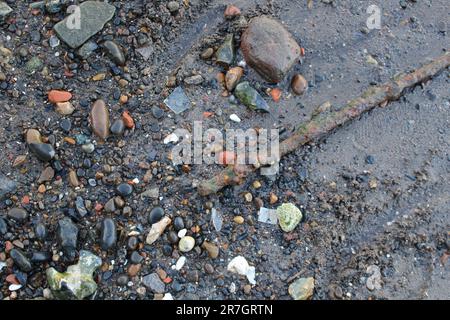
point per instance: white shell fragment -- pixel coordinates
(240, 266)
(267, 216)
(171, 138)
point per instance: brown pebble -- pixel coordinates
(232, 77)
(273, 198)
(100, 119)
(299, 84)
(73, 179)
(213, 250)
(134, 269)
(33, 136)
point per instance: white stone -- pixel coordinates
(240, 266)
(235, 118)
(180, 263)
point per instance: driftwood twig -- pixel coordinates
(323, 124)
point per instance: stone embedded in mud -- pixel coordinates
(232, 11)
(269, 48)
(157, 230)
(99, 118)
(67, 235)
(5, 10)
(115, 52)
(225, 54)
(299, 84)
(87, 49)
(94, 15)
(302, 289)
(232, 77)
(289, 216)
(77, 281)
(178, 101)
(43, 151)
(250, 97)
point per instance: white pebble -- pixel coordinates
(14, 287)
(182, 233)
(235, 118)
(180, 263)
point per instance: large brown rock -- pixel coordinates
(269, 48)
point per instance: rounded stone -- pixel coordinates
(43, 151)
(124, 189)
(17, 214)
(178, 223)
(108, 234)
(186, 244)
(118, 127)
(155, 215)
(172, 237)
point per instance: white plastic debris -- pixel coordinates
(2, 265)
(267, 216)
(240, 266)
(180, 263)
(14, 287)
(235, 118)
(171, 138)
(167, 296)
(216, 219)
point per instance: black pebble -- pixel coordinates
(20, 260)
(178, 223)
(167, 250)
(43, 151)
(172, 237)
(155, 215)
(108, 234)
(124, 189)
